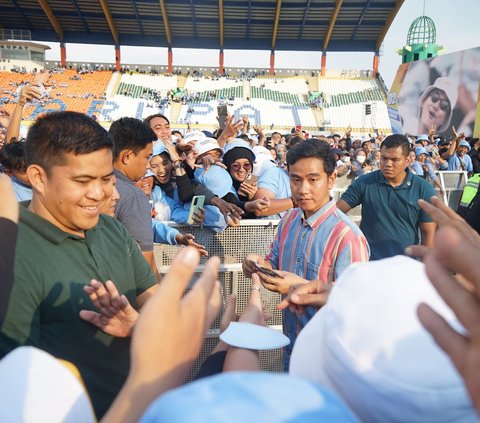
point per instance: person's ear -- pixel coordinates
(37, 177)
(126, 155)
(331, 179)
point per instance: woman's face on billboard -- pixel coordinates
(434, 111)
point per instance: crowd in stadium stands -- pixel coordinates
(79, 280)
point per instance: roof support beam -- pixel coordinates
(51, 17)
(24, 16)
(307, 8)
(388, 23)
(140, 25)
(331, 25)
(110, 21)
(249, 16)
(362, 16)
(275, 23)
(194, 19)
(166, 23)
(220, 19)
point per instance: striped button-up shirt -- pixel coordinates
(320, 247)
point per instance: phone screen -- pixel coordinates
(222, 115)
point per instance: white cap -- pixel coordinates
(36, 387)
(205, 145)
(193, 137)
(450, 88)
(263, 160)
(368, 345)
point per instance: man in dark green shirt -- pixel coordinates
(391, 217)
(64, 243)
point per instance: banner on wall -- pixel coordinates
(440, 92)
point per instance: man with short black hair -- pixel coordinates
(391, 217)
(63, 243)
(314, 241)
(133, 147)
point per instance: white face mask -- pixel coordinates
(346, 159)
(361, 159)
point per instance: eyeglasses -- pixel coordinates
(444, 104)
(237, 166)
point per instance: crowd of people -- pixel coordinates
(82, 208)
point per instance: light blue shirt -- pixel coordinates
(276, 180)
(23, 192)
(214, 220)
(455, 162)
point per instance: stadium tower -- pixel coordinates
(421, 41)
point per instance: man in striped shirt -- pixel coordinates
(314, 241)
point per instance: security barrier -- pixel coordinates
(232, 245)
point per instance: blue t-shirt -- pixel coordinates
(455, 163)
(276, 180)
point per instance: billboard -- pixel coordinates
(440, 92)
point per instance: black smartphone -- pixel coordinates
(267, 271)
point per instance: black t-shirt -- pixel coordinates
(8, 240)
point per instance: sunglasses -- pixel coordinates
(444, 104)
(237, 166)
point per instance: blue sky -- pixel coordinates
(456, 23)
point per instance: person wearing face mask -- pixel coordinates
(359, 164)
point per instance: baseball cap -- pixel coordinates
(255, 396)
(368, 345)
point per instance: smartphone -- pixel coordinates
(251, 179)
(267, 271)
(222, 114)
(197, 204)
(298, 128)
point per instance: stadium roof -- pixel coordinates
(316, 25)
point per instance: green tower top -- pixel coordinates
(421, 41)
(422, 31)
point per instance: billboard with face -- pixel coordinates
(437, 93)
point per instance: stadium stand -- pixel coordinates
(345, 99)
(67, 90)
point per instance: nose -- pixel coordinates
(96, 192)
(303, 188)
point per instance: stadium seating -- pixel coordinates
(136, 84)
(120, 106)
(344, 101)
(67, 91)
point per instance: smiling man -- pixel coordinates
(314, 241)
(391, 217)
(63, 243)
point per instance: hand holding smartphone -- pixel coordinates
(197, 204)
(266, 271)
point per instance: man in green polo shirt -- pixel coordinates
(391, 217)
(63, 243)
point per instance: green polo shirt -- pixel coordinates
(51, 269)
(390, 216)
